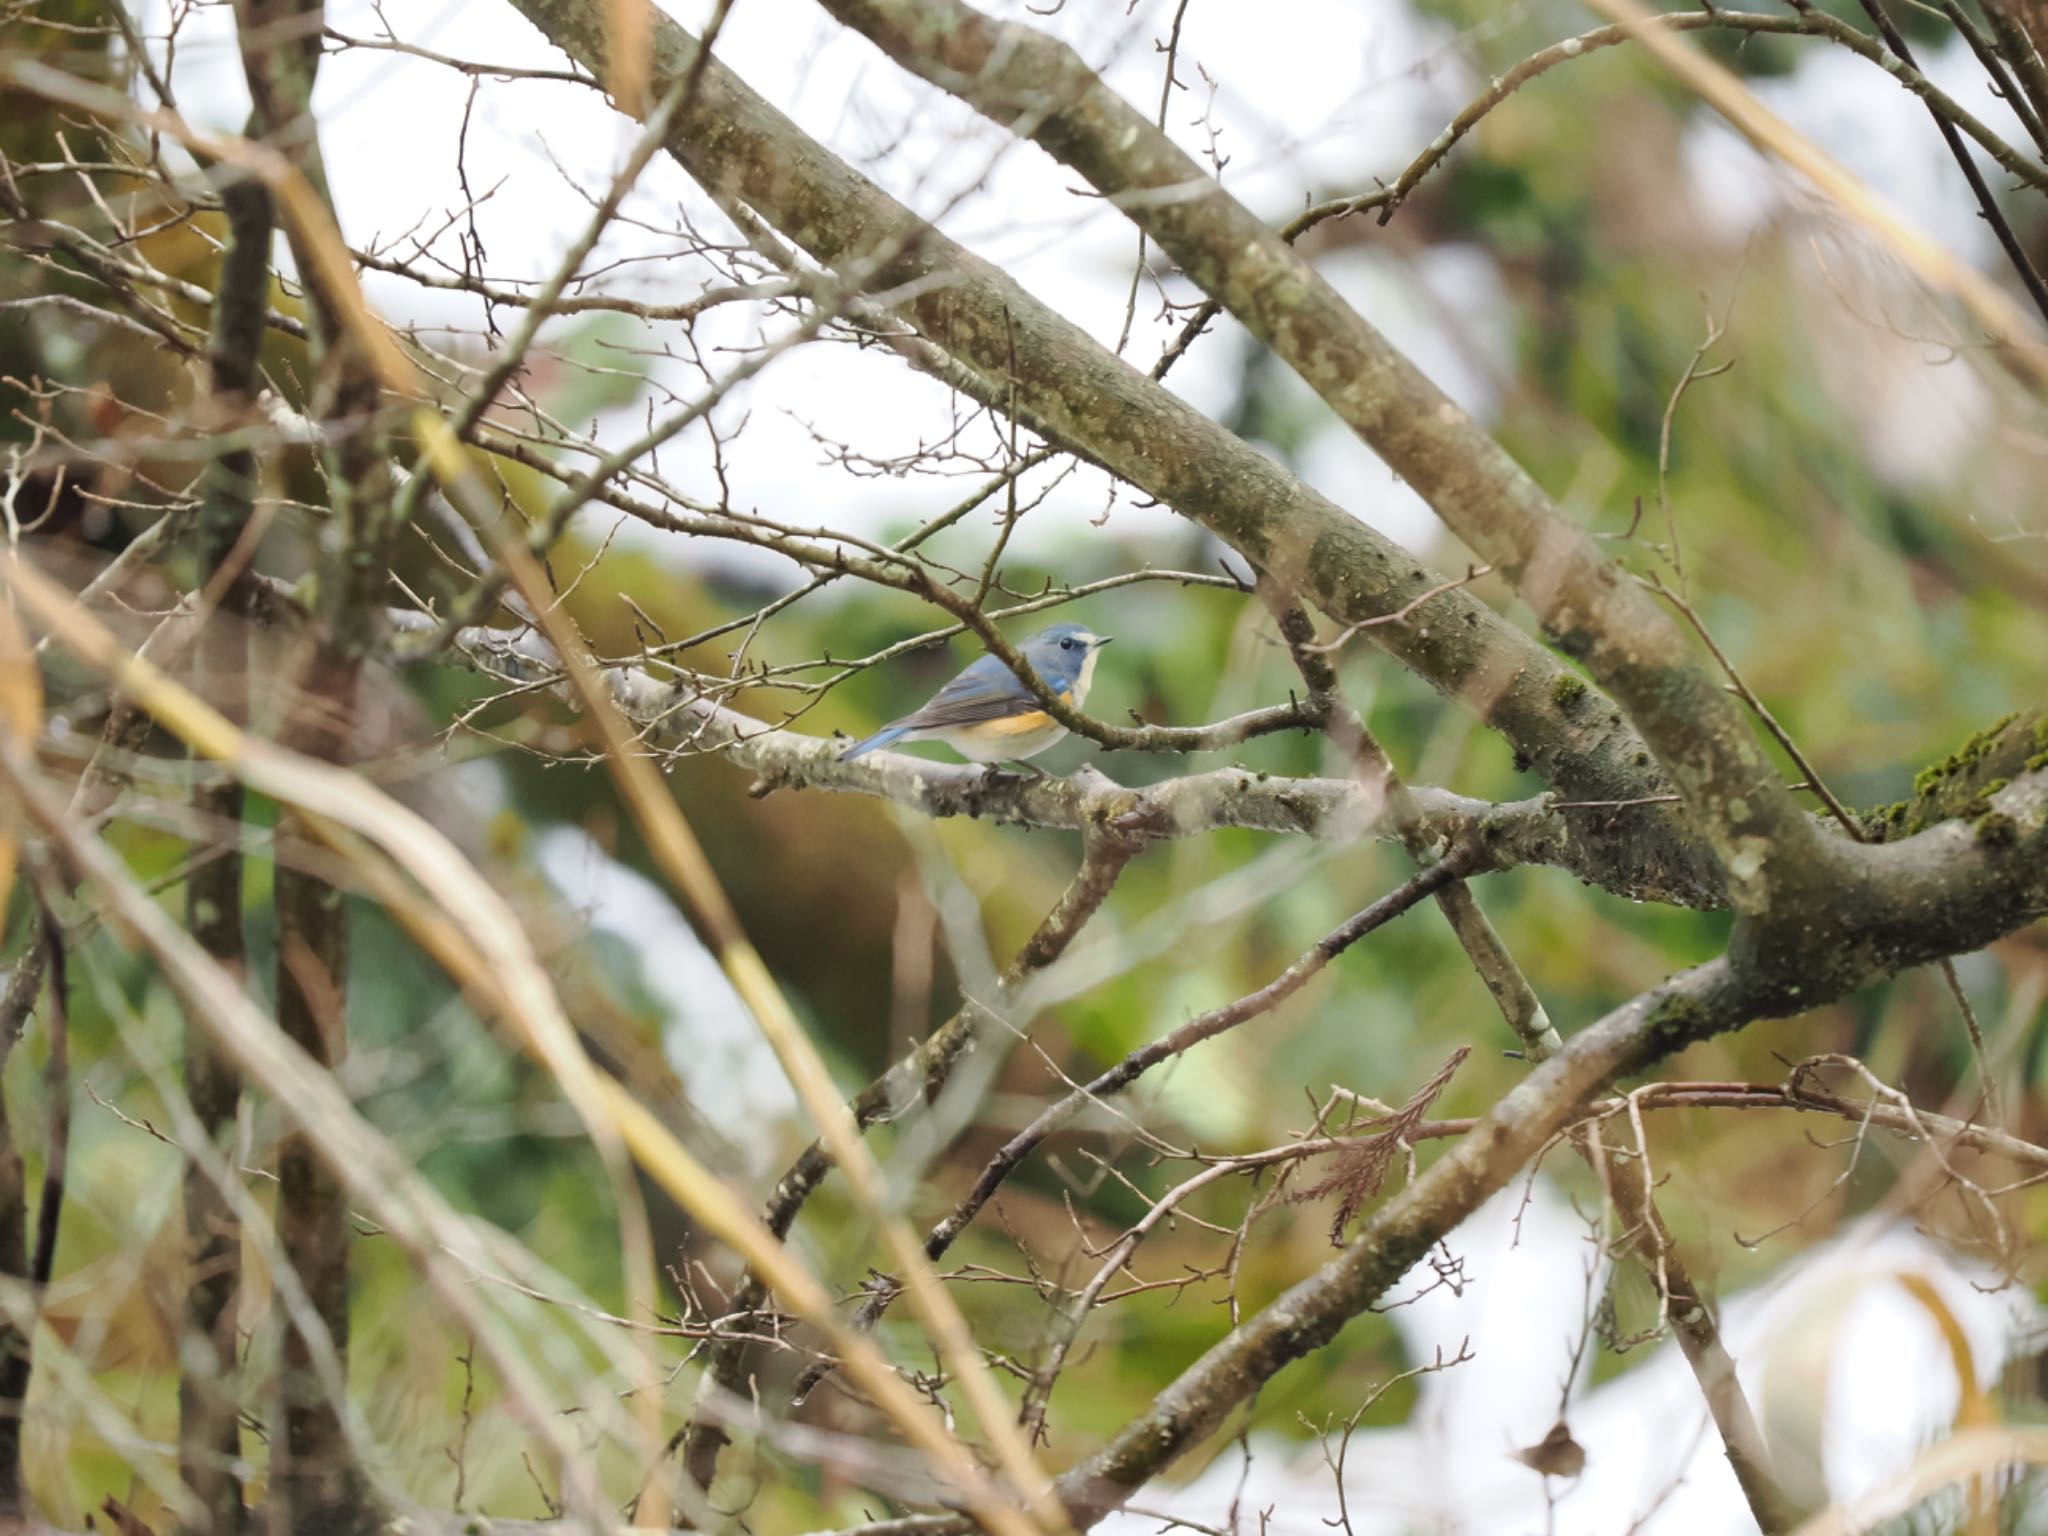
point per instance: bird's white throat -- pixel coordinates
(1087, 676)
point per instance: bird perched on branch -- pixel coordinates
(987, 715)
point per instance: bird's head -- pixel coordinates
(1065, 655)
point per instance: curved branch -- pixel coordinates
(1593, 839)
(1071, 390)
(1946, 891)
(1036, 85)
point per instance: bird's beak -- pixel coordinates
(1102, 640)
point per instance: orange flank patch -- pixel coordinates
(1015, 725)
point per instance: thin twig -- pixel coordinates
(1119, 1077)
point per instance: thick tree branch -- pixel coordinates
(1963, 838)
(1965, 861)
(1073, 391)
(1959, 896)
(1590, 838)
(1032, 83)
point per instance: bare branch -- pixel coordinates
(1175, 1042)
(1024, 79)
(1075, 393)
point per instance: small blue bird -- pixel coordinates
(988, 716)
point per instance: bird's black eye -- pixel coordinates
(1067, 644)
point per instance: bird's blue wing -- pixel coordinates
(987, 690)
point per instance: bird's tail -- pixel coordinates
(888, 736)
